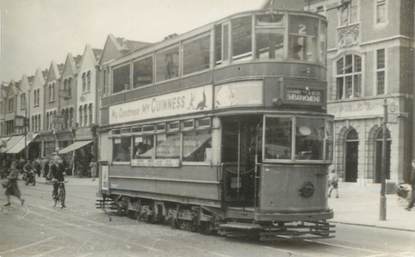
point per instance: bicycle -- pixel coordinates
(60, 195)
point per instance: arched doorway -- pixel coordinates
(351, 156)
(378, 155)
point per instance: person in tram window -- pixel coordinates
(11, 185)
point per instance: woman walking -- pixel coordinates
(11, 185)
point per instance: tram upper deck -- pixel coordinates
(286, 50)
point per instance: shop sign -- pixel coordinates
(183, 102)
(155, 162)
(247, 93)
(307, 96)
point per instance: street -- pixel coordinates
(39, 229)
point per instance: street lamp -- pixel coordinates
(382, 206)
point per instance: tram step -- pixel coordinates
(240, 226)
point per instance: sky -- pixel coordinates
(35, 32)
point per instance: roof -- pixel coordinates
(78, 59)
(131, 45)
(45, 74)
(60, 68)
(31, 79)
(97, 53)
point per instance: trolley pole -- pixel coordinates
(382, 206)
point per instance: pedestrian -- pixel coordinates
(11, 185)
(333, 181)
(412, 182)
(93, 167)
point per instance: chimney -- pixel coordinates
(296, 5)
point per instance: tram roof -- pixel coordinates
(141, 52)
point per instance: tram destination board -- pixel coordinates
(304, 96)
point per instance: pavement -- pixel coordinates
(357, 205)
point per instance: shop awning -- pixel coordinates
(74, 146)
(21, 144)
(12, 142)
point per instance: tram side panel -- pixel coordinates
(290, 188)
(187, 184)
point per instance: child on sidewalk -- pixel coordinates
(333, 181)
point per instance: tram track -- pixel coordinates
(77, 220)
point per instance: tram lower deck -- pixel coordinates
(253, 174)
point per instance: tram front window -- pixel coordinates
(269, 35)
(303, 32)
(309, 139)
(278, 138)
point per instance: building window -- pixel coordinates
(143, 72)
(380, 71)
(83, 82)
(69, 88)
(121, 149)
(23, 101)
(80, 116)
(121, 79)
(196, 55)
(381, 11)
(241, 37)
(88, 78)
(90, 114)
(348, 77)
(348, 12)
(167, 64)
(269, 36)
(11, 105)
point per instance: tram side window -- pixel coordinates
(167, 64)
(278, 138)
(121, 149)
(269, 35)
(168, 146)
(241, 37)
(143, 72)
(121, 79)
(221, 43)
(196, 55)
(143, 147)
(310, 134)
(302, 42)
(197, 146)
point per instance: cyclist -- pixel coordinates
(56, 171)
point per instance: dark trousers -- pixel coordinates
(412, 200)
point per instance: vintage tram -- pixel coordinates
(223, 128)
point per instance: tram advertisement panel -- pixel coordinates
(183, 102)
(239, 94)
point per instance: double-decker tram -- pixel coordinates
(223, 128)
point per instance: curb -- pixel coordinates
(373, 226)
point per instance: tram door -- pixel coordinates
(240, 138)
